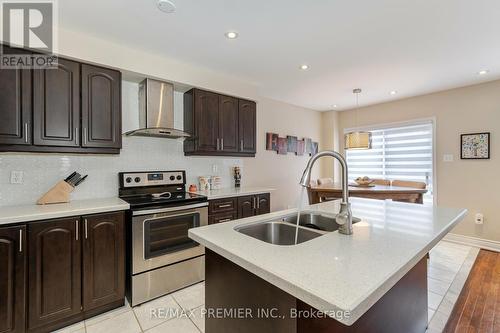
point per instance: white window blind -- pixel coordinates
(403, 152)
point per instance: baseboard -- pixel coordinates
(473, 241)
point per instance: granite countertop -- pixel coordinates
(26, 213)
(233, 192)
(336, 272)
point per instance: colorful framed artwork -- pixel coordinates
(301, 147)
(291, 143)
(282, 146)
(475, 146)
(272, 141)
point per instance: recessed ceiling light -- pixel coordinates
(394, 92)
(304, 67)
(166, 6)
(483, 72)
(335, 106)
(232, 34)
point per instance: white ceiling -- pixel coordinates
(412, 46)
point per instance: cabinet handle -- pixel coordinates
(253, 202)
(222, 144)
(21, 240)
(86, 231)
(218, 144)
(258, 203)
(26, 132)
(77, 229)
(76, 135)
(241, 145)
(224, 220)
(84, 136)
(225, 206)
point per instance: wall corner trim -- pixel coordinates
(485, 244)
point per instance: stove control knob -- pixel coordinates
(137, 179)
(179, 177)
(172, 177)
(128, 180)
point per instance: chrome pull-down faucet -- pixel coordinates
(344, 218)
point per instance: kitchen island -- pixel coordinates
(372, 281)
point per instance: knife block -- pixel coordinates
(58, 194)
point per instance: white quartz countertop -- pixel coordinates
(26, 213)
(336, 272)
(233, 192)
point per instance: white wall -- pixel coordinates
(266, 169)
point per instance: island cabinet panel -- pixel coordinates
(103, 260)
(228, 124)
(268, 309)
(247, 126)
(101, 107)
(12, 279)
(56, 94)
(219, 125)
(15, 104)
(54, 271)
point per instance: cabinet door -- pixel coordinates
(103, 260)
(228, 123)
(101, 107)
(246, 206)
(206, 114)
(247, 126)
(54, 277)
(12, 279)
(263, 203)
(15, 104)
(221, 218)
(56, 95)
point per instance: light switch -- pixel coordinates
(448, 158)
(16, 177)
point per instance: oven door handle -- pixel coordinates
(166, 210)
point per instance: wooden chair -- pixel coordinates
(325, 181)
(407, 183)
(385, 182)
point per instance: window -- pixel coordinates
(403, 152)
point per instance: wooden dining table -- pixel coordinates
(326, 192)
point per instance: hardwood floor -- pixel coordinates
(478, 306)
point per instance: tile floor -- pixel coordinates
(180, 312)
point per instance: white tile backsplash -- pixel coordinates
(42, 171)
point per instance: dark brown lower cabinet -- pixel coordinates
(222, 217)
(246, 206)
(54, 271)
(12, 279)
(103, 260)
(263, 203)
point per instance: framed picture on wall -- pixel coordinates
(475, 146)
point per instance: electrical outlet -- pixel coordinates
(479, 219)
(16, 177)
(448, 158)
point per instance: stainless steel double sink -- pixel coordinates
(283, 230)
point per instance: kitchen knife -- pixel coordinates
(74, 179)
(80, 180)
(70, 176)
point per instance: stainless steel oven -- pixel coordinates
(160, 236)
(161, 256)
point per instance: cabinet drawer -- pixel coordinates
(222, 205)
(222, 217)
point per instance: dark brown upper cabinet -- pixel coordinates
(228, 124)
(74, 108)
(12, 279)
(220, 125)
(56, 107)
(103, 260)
(15, 104)
(101, 107)
(54, 271)
(247, 129)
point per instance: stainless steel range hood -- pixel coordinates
(156, 111)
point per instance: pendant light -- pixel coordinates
(358, 139)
